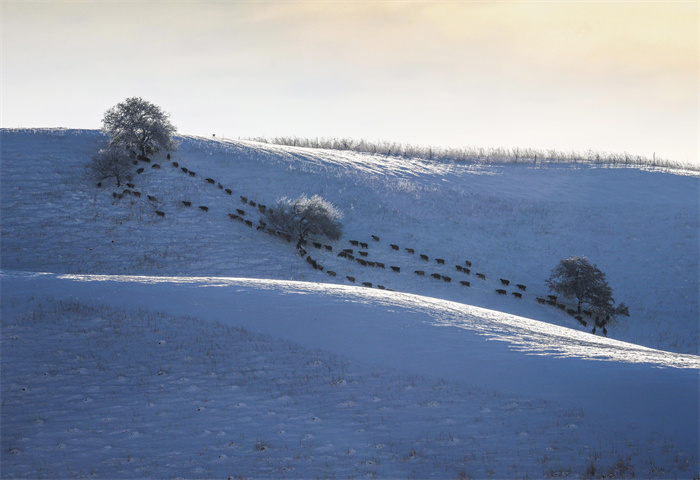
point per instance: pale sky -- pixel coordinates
(568, 75)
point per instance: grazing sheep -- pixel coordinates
(552, 303)
(466, 270)
(581, 320)
(521, 287)
(371, 264)
(420, 273)
(175, 164)
(505, 282)
(394, 247)
(159, 213)
(302, 252)
(561, 306)
(229, 191)
(541, 301)
(349, 250)
(396, 269)
(317, 245)
(140, 170)
(244, 199)
(354, 242)
(435, 275)
(364, 254)
(343, 254)
(571, 311)
(440, 261)
(481, 276)
(137, 194)
(210, 180)
(468, 263)
(187, 204)
(352, 279)
(329, 248)
(587, 313)
(143, 158)
(168, 156)
(249, 223)
(130, 185)
(262, 207)
(552, 297)
(375, 238)
(367, 284)
(459, 268)
(331, 273)
(155, 166)
(381, 287)
(364, 245)
(411, 251)
(192, 174)
(501, 292)
(517, 294)
(252, 203)
(361, 262)
(126, 192)
(351, 257)
(203, 208)
(184, 170)
(221, 187)
(240, 212)
(464, 282)
(424, 257)
(380, 265)
(153, 199)
(446, 279)
(232, 216)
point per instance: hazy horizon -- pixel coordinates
(610, 77)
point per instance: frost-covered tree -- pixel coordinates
(576, 277)
(139, 127)
(109, 162)
(306, 216)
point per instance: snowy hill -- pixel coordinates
(346, 380)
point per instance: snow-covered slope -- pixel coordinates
(140, 354)
(510, 221)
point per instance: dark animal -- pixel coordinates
(364, 254)
(331, 273)
(468, 263)
(501, 292)
(381, 287)
(552, 297)
(126, 192)
(380, 265)
(140, 170)
(143, 158)
(571, 311)
(175, 164)
(130, 185)
(221, 187)
(581, 320)
(187, 204)
(420, 273)
(481, 276)
(587, 313)
(440, 261)
(244, 199)
(394, 247)
(410, 250)
(210, 180)
(363, 245)
(302, 252)
(561, 306)
(203, 208)
(464, 282)
(552, 303)
(424, 257)
(232, 216)
(505, 282)
(262, 207)
(352, 279)
(168, 157)
(153, 199)
(459, 268)
(521, 287)
(446, 279)
(252, 203)
(240, 212)
(184, 170)
(137, 194)
(435, 275)
(375, 238)
(343, 254)
(317, 245)
(348, 250)
(396, 269)
(541, 301)
(372, 264)
(156, 166)
(192, 174)
(361, 262)
(249, 223)
(159, 213)
(329, 248)
(228, 190)
(517, 294)
(354, 242)
(367, 284)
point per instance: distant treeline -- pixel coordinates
(475, 154)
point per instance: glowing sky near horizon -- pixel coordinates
(606, 76)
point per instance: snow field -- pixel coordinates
(123, 393)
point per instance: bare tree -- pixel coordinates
(109, 163)
(306, 216)
(139, 127)
(575, 277)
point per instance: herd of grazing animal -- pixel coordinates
(360, 257)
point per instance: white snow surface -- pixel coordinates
(193, 346)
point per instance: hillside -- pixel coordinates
(510, 221)
(192, 345)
